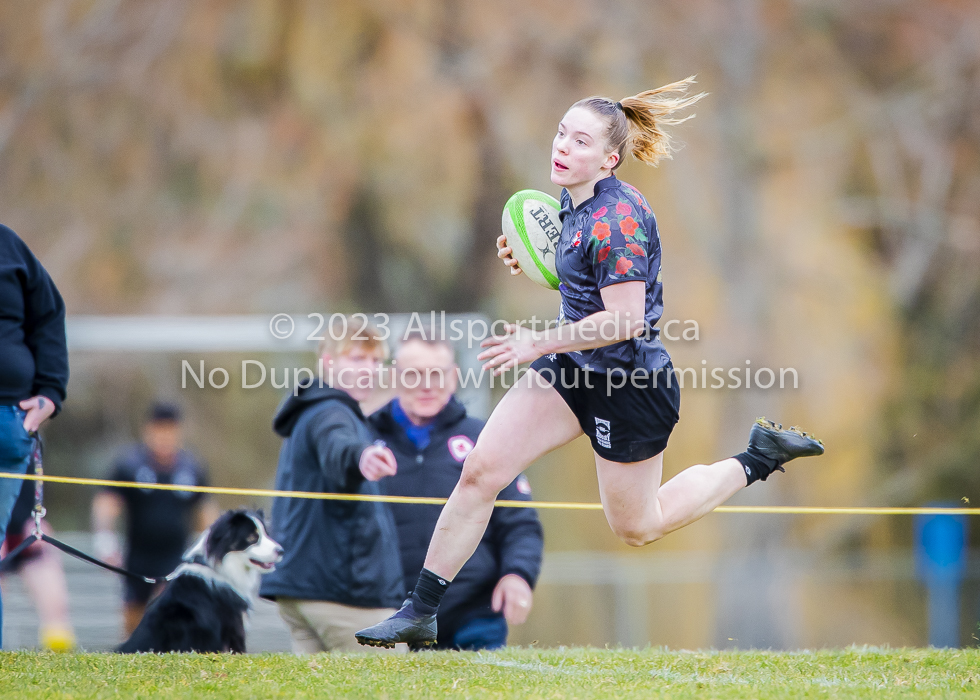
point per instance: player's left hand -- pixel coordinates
(39, 409)
(513, 595)
(505, 253)
(503, 352)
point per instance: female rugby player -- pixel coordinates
(603, 371)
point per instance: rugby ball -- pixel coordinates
(532, 227)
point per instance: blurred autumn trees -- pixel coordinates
(915, 198)
(260, 156)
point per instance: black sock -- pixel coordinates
(429, 592)
(757, 467)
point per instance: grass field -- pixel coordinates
(516, 673)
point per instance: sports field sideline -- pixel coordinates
(856, 672)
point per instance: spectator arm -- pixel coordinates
(44, 332)
(107, 506)
(338, 447)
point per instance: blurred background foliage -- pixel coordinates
(262, 156)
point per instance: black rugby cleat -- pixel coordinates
(404, 627)
(769, 440)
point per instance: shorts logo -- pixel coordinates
(602, 433)
(459, 447)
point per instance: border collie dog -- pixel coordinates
(203, 607)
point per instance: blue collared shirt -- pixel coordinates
(420, 435)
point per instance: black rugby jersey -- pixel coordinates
(611, 238)
(159, 523)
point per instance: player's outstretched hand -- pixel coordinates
(377, 462)
(512, 595)
(504, 252)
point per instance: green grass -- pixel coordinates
(517, 673)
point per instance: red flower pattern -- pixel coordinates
(628, 226)
(622, 265)
(620, 257)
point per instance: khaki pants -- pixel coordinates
(319, 625)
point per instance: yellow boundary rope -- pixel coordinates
(544, 505)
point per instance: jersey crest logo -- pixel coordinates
(459, 447)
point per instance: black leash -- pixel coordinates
(78, 554)
(7, 561)
(37, 536)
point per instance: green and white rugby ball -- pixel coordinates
(532, 227)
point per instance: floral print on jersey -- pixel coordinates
(617, 243)
(618, 258)
(608, 239)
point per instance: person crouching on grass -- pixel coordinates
(341, 569)
(608, 260)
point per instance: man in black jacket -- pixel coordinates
(430, 434)
(33, 361)
(341, 570)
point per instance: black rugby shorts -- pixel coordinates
(627, 417)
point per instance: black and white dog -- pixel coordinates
(203, 607)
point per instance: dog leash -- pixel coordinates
(38, 536)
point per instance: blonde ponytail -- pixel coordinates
(636, 124)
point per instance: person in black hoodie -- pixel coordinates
(341, 568)
(33, 361)
(428, 430)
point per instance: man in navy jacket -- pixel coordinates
(430, 434)
(341, 570)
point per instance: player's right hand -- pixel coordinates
(504, 253)
(377, 462)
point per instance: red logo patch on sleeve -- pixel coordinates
(459, 447)
(523, 485)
